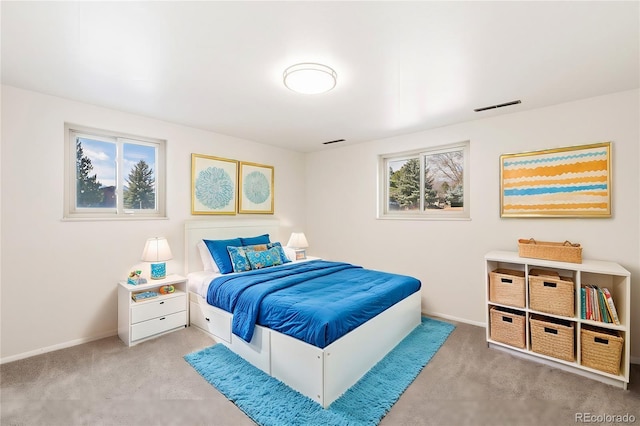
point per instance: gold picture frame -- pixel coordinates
(214, 185)
(562, 182)
(256, 183)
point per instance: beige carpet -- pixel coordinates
(106, 383)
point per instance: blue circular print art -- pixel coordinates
(256, 187)
(214, 188)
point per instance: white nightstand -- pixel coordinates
(142, 320)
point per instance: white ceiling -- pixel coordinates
(402, 66)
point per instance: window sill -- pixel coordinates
(420, 218)
(118, 218)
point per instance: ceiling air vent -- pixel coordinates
(498, 106)
(330, 142)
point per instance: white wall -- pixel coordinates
(58, 278)
(448, 255)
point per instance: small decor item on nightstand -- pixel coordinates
(134, 278)
(144, 295)
(167, 289)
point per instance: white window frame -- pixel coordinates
(71, 212)
(421, 213)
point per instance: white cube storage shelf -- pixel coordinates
(590, 272)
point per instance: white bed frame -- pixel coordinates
(321, 374)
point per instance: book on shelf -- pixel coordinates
(596, 305)
(588, 303)
(602, 304)
(583, 303)
(144, 295)
(611, 306)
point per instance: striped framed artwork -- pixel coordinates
(563, 182)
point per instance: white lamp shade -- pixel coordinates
(156, 250)
(297, 240)
(310, 78)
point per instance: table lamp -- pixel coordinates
(299, 243)
(157, 251)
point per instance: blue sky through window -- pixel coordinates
(103, 158)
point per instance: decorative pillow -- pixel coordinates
(239, 259)
(260, 239)
(205, 255)
(257, 247)
(283, 256)
(218, 250)
(264, 259)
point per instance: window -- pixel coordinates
(110, 175)
(431, 183)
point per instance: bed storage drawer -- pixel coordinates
(158, 325)
(212, 320)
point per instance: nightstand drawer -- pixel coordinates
(158, 325)
(157, 308)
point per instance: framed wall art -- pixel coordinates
(256, 188)
(563, 182)
(214, 185)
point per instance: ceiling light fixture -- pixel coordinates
(309, 78)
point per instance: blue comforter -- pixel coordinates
(316, 301)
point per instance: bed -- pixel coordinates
(321, 370)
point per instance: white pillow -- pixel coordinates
(207, 260)
(290, 253)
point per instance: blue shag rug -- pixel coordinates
(267, 401)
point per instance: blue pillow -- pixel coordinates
(252, 241)
(218, 250)
(239, 259)
(265, 258)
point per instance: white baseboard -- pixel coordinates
(57, 347)
(453, 318)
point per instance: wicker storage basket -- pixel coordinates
(563, 252)
(506, 286)
(601, 349)
(553, 295)
(507, 326)
(553, 337)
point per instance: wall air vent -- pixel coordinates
(330, 142)
(498, 106)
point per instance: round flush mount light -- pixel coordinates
(310, 78)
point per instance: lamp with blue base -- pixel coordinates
(157, 251)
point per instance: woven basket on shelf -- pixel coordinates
(507, 326)
(601, 349)
(553, 295)
(507, 287)
(553, 337)
(562, 252)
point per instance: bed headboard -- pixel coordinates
(196, 230)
